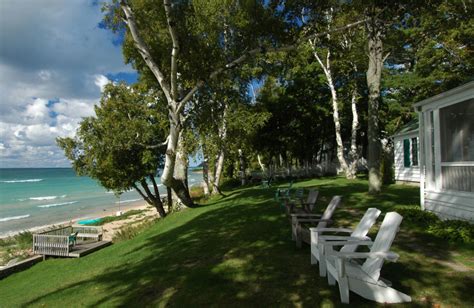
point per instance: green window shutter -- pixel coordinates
(414, 151)
(406, 152)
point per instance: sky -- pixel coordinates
(55, 59)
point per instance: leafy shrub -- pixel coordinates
(108, 219)
(16, 247)
(450, 230)
(230, 183)
(417, 216)
(453, 230)
(196, 192)
(130, 231)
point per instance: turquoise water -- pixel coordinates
(36, 197)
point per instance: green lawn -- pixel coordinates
(237, 251)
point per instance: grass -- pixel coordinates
(236, 251)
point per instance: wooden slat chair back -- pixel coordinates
(382, 243)
(299, 193)
(301, 233)
(363, 227)
(318, 238)
(311, 201)
(329, 211)
(364, 279)
(306, 207)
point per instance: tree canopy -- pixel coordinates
(119, 147)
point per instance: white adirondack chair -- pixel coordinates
(301, 234)
(359, 233)
(364, 279)
(306, 207)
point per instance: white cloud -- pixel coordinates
(101, 81)
(53, 65)
(37, 111)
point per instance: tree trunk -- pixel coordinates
(218, 170)
(335, 108)
(353, 155)
(242, 167)
(374, 75)
(205, 174)
(262, 166)
(180, 175)
(151, 199)
(169, 194)
(220, 159)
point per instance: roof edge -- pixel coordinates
(462, 88)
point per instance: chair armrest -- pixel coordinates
(312, 220)
(342, 238)
(356, 241)
(390, 255)
(321, 230)
(305, 215)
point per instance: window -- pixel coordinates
(432, 143)
(457, 146)
(406, 153)
(414, 151)
(457, 132)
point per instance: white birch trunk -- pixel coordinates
(219, 166)
(262, 166)
(335, 108)
(353, 155)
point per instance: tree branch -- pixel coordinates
(147, 190)
(259, 50)
(159, 145)
(143, 48)
(174, 53)
(142, 194)
(155, 187)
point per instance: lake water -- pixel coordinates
(36, 197)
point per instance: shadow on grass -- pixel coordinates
(238, 252)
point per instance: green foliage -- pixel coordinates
(130, 231)
(416, 216)
(124, 216)
(15, 247)
(230, 183)
(118, 146)
(196, 192)
(451, 230)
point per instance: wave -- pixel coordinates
(56, 204)
(128, 201)
(14, 217)
(22, 181)
(47, 198)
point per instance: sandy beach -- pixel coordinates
(109, 228)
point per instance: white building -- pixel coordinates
(447, 153)
(406, 153)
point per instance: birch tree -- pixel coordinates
(344, 45)
(154, 29)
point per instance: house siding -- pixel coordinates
(402, 173)
(435, 197)
(450, 205)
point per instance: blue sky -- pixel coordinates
(55, 58)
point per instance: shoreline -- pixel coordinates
(99, 213)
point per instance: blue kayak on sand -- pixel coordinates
(89, 221)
